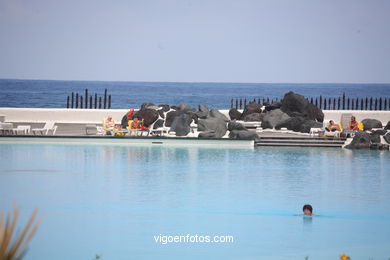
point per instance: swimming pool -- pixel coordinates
(113, 200)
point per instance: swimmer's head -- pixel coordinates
(307, 210)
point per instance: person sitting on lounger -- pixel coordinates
(353, 125)
(136, 124)
(109, 123)
(142, 125)
(332, 127)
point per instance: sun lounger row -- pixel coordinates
(9, 129)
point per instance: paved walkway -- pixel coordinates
(69, 129)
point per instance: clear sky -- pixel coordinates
(196, 40)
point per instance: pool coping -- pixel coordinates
(128, 140)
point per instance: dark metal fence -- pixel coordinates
(326, 103)
(76, 100)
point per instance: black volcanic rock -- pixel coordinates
(181, 125)
(361, 140)
(251, 108)
(234, 114)
(296, 105)
(273, 118)
(215, 124)
(243, 135)
(148, 115)
(371, 123)
(236, 126)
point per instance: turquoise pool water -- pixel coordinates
(113, 200)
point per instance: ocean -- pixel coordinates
(53, 93)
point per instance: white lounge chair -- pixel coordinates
(161, 131)
(345, 119)
(49, 126)
(315, 131)
(100, 130)
(22, 129)
(6, 128)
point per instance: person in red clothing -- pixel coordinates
(130, 114)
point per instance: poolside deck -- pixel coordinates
(266, 138)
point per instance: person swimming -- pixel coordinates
(308, 210)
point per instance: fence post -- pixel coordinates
(67, 102)
(90, 102)
(357, 104)
(344, 101)
(316, 103)
(370, 103)
(244, 102)
(240, 103)
(96, 101)
(100, 102)
(86, 98)
(72, 100)
(361, 104)
(334, 103)
(81, 101)
(324, 103)
(105, 98)
(376, 104)
(353, 104)
(311, 100)
(385, 104)
(380, 103)
(109, 101)
(236, 103)
(77, 100)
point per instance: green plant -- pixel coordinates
(14, 246)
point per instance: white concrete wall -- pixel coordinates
(61, 115)
(95, 116)
(383, 116)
